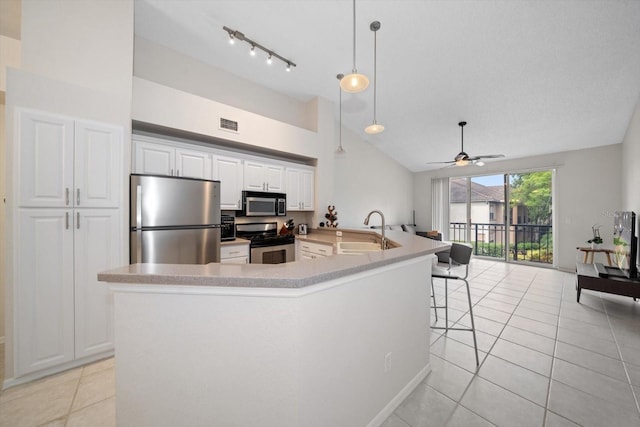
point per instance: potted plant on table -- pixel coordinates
(596, 241)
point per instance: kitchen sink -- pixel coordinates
(357, 248)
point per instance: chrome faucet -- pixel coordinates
(383, 243)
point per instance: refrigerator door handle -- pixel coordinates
(139, 223)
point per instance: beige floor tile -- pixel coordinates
(462, 417)
(519, 380)
(42, 406)
(60, 422)
(94, 388)
(23, 390)
(500, 406)
(101, 414)
(99, 366)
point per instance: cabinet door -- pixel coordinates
(44, 298)
(293, 190)
(193, 164)
(228, 171)
(96, 248)
(46, 160)
(274, 178)
(254, 176)
(98, 160)
(154, 159)
(307, 190)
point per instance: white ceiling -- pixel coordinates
(529, 77)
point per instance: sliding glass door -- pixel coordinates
(506, 216)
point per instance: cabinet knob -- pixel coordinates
(78, 196)
(78, 220)
(66, 196)
(66, 220)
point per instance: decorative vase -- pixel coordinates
(620, 255)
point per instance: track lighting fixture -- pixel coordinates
(354, 82)
(237, 35)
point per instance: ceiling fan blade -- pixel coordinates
(437, 163)
(487, 156)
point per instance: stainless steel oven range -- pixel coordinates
(267, 246)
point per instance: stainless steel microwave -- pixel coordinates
(259, 203)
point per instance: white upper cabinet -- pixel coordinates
(260, 176)
(98, 160)
(193, 164)
(228, 170)
(151, 158)
(67, 163)
(300, 189)
(46, 160)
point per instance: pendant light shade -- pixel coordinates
(374, 127)
(340, 150)
(354, 82)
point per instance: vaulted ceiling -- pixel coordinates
(530, 77)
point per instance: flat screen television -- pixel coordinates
(625, 241)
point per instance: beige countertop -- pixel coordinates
(297, 274)
(238, 241)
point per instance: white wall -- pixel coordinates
(366, 179)
(587, 191)
(196, 77)
(9, 57)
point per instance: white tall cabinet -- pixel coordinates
(67, 229)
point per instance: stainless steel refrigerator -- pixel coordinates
(174, 220)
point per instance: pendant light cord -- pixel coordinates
(340, 118)
(375, 72)
(354, 36)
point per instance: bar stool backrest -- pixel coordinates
(460, 254)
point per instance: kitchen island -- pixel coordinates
(337, 341)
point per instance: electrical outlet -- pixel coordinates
(338, 233)
(387, 362)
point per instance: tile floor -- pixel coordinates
(544, 361)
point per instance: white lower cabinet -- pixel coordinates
(96, 249)
(62, 312)
(312, 250)
(235, 254)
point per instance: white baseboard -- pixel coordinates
(386, 412)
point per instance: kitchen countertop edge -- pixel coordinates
(297, 274)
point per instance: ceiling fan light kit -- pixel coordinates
(354, 82)
(463, 159)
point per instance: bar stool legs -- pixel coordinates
(446, 328)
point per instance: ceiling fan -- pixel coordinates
(463, 159)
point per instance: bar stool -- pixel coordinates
(461, 255)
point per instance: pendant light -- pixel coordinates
(374, 127)
(354, 82)
(340, 150)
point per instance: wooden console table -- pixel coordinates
(588, 253)
(587, 278)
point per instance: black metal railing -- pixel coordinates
(528, 242)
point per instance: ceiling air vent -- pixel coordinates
(230, 125)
